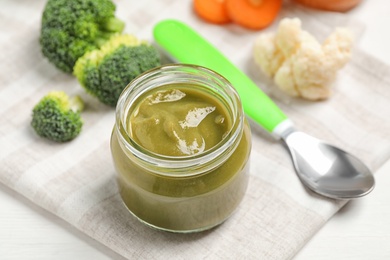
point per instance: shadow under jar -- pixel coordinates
(181, 146)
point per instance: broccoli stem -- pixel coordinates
(76, 104)
(102, 38)
(109, 28)
(113, 25)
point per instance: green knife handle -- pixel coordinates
(187, 46)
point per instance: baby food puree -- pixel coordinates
(180, 146)
(179, 120)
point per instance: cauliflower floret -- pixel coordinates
(289, 36)
(337, 47)
(267, 55)
(299, 64)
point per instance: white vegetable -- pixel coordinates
(298, 63)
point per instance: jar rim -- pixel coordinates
(188, 165)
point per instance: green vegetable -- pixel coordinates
(57, 117)
(72, 27)
(104, 73)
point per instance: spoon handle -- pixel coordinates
(185, 45)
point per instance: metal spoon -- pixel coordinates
(323, 168)
(326, 169)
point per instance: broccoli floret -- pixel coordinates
(57, 117)
(104, 73)
(70, 28)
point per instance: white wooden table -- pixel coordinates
(361, 230)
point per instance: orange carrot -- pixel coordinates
(213, 11)
(253, 14)
(330, 5)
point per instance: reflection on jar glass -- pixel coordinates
(181, 147)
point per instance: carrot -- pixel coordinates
(330, 5)
(253, 14)
(213, 11)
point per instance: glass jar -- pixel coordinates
(185, 193)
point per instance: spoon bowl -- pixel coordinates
(326, 169)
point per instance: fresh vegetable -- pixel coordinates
(57, 117)
(213, 11)
(299, 64)
(253, 14)
(70, 28)
(105, 72)
(330, 5)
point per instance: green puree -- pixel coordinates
(178, 120)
